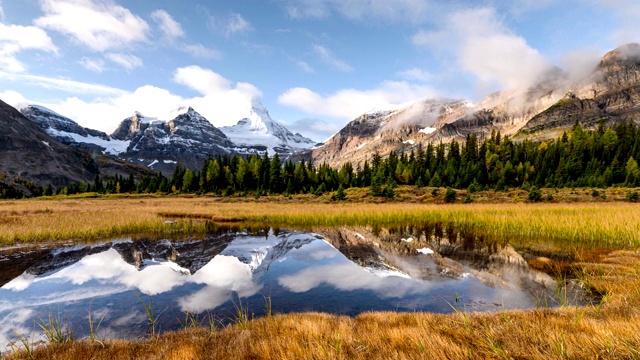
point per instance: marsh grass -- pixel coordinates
(570, 226)
(152, 317)
(23, 347)
(93, 327)
(242, 318)
(56, 330)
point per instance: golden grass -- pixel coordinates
(607, 225)
(607, 331)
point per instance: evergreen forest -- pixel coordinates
(602, 157)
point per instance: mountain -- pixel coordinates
(28, 154)
(189, 256)
(382, 131)
(187, 139)
(259, 132)
(611, 93)
(70, 132)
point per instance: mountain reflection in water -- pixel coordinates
(341, 271)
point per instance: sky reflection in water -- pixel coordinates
(298, 271)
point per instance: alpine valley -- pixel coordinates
(185, 138)
(609, 94)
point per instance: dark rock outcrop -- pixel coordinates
(28, 153)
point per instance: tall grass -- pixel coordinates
(56, 331)
(152, 316)
(607, 225)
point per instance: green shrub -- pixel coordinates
(450, 195)
(535, 195)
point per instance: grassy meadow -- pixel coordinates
(602, 235)
(580, 222)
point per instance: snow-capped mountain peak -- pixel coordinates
(259, 129)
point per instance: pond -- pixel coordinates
(339, 271)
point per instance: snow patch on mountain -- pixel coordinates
(70, 132)
(428, 130)
(110, 146)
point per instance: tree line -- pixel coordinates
(602, 157)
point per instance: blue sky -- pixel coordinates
(315, 64)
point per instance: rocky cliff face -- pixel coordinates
(187, 139)
(507, 111)
(610, 94)
(28, 153)
(71, 133)
(386, 130)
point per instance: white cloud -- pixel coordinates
(416, 74)
(316, 129)
(328, 58)
(170, 28)
(15, 38)
(221, 101)
(349, 103)
(66, 85)
(303, 66)
(13, 98)
(100, 25)
(202, 80)
(390, 10)
(237, 25)
(486, 48)
(582, 62)
(96, 65)
(198, 50)
(258, 48)
(232, 25)
(628, 13)
(127, 61)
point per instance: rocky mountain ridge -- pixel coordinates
(186, 139)
(611, 93)
(29, 155)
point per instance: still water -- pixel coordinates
(339, 271)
